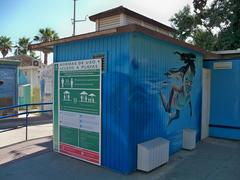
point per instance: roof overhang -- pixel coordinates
(224, 55)
(225, 52)
(9, 62)
(123, 29)
(48, 46)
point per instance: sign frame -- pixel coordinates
(58, 111)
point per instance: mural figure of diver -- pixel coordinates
(180, 93)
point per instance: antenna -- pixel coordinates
(74, 17)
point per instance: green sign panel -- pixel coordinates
(81, 101)
(77, 109)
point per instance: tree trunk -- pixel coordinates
(4, 53)
(45, 58)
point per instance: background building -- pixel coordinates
(9, 79)
(29, 78)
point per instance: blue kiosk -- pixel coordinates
(150, 87)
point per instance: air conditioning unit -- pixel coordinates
(189, 139)
(35, 63)
(152, 154)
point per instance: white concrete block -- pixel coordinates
(152, 154)
(189, 139)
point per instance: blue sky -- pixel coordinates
(23, 18)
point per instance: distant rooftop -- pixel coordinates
(25, 60)
(9, 61)
(226, 54)
(237, 51)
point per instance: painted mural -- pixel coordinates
(165, 91)
(180, 81)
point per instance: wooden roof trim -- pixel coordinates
(138, 28)
(121, 9)
(48, 45)
(123, 29)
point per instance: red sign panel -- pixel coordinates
(80, 153)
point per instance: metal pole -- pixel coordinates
(74, 16)
(26, 123)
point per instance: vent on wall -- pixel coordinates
(109, 22)
(102, 57)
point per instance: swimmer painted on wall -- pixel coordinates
(180, 94)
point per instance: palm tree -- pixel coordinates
(33, 55)
(46, 35)
(22, 46)
(5, 45)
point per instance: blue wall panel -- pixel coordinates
(150, 59)
(115, 130)
(8, 74)
(225, 99)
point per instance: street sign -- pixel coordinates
(77, 109)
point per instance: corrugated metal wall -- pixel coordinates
(150, 58)
(131, 111)
(115, 130)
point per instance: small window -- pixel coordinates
(102, 57)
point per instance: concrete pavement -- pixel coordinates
(12, 136)
(214, 159)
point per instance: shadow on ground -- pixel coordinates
(214, 159)
(24, 150)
